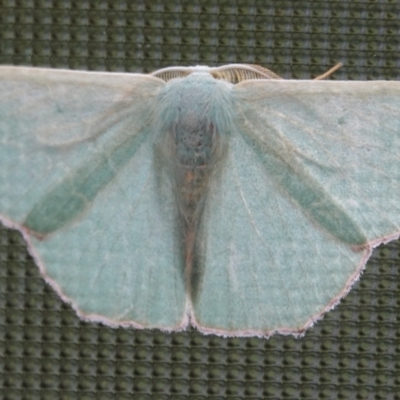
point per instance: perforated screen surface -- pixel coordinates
(46, 352)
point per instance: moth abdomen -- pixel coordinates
(196, 114)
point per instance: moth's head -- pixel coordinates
(232, 73)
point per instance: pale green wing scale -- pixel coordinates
(77, 177)
(310, 185)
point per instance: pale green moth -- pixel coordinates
(224, 198)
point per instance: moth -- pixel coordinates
(223, 198)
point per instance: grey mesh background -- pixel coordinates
(46, 352)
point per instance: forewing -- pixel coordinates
(310, 184)
(342, 139)
(61, 107)
(78, 179)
